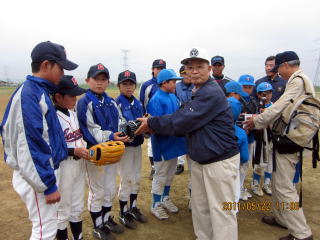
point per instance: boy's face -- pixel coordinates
(169, 86)
(235, 95)
(127, 88)
(247, 89)
(266, 94)
(51, 72)
(66, 101)
(99, 83)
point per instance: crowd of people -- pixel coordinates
(218, 125)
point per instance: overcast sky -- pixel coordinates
(244, 32)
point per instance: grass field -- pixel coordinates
(14, 223)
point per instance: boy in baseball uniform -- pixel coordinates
(33, 140)
(71, 183)
(100, 120)
(263, 151)
(165, 149)
(130, 163)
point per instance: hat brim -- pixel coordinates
(98, 72)
(213, 63)
(125, 79)
(159, 66)
(186, 60)
(275, 69)
(247, 84)
(76, 91)
(67, 65)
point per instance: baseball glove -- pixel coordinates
(106, 153)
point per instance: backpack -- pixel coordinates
(298, 124)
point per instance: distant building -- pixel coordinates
(7, 84)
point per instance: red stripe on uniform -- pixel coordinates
(35, 194)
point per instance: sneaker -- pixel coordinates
(113, 226)
(151, 174)
(243, 195)
(267, 189)
(256, 189)
(102, 233)
(180, 169)
(159, 212)
(168, 204)
(127, 220)
(137, 215)
(248, 194)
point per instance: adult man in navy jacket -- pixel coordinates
(207, 123)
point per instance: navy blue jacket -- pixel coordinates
(278, 86)
(207, 123)
(147, 90)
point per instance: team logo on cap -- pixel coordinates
(127, 74)
(248, 79)
(74, 81)
(100, 67)
(194, 52)
(161, 61)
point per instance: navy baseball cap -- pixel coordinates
(95, 70)
(182, 70)
(284, 57)
(127, 75)
(69, 85)
(52, 52)
(217, 59)
(159, 63)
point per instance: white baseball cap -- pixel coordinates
(196, 53)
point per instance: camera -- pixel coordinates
(242, 118)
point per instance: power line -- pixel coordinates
(125, 59)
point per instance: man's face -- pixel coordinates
(284, 71)
(186, 80)
(156, 71)
(99, 83)
(198, 71)
(217, 69)
(52, 72)
(268, 66)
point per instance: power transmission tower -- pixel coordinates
(125, 58)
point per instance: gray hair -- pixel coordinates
(294, 63)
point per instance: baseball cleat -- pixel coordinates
(113, 226)
(136, 213)
(102, 233)
(127, 220)
(159, 212)
(256, 189)
(180, 169)
(169, 205)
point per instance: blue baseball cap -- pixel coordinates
(166, 75)
(284, 57)
(233, 87)
(246, 80)
(52, 52)
(236, 107)
(264, 86)
(95, 70)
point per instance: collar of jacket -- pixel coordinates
(161, 92)
(295, 74)
(45, 84)
(195, 90)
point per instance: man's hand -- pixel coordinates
(53, 197)
(144, 128)
(249, 124)
(122, 139)
(81, 153)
